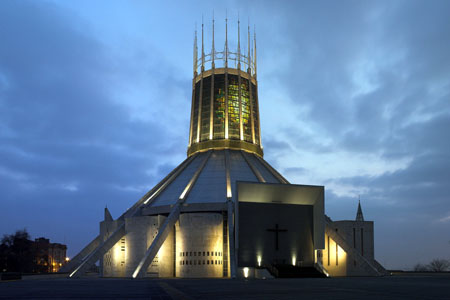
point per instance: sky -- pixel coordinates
(354, 95)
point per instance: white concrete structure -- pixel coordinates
(224, 211)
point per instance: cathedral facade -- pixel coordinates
(224, 211)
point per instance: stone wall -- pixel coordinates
(199, 245)
(360, 236)
(197, 239)
(333, 258)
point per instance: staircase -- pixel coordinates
(369, 268)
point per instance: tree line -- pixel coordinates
(436, 265)
(18, 254)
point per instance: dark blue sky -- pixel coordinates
(354, 95)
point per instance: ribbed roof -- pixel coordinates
(211, 184)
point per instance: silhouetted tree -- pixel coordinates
(439, 265)
(420, 268)
(3, 258)
(16, 252)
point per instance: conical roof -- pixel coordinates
(211, 185)
(359, 214)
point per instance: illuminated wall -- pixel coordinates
(165, 257)
(199, 245)
(194, 248)
(360, 236)
(113, 263)
(140, 232)
(123, 258)
(333, 258)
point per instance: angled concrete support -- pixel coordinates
(168, 224)
(231, 237)
(163, 232)
(95, 255)
(96, 249)
(74, 262)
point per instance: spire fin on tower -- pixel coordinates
(254, 47)
(248, 48)
(203, 49)
(195, 51)
(226, 40)
(213, 51)
(239, 43)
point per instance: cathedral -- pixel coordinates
(225, 211)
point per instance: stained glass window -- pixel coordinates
(195, 116)
(245, 100)
(255, 112)
(233, 107)
(219, 107)
(206, 112)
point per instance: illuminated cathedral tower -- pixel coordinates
(225, 111)
(224, 211)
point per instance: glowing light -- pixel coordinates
(136, 272)
(67, 259)
(294, 260)
(259, 260)
(341, 253)
(246, 272)
(148, 199)
(229, 191)
(186, 189)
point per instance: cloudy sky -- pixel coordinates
(354, 95)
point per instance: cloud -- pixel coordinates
(71, 140)
(369, 86)
(445, 219)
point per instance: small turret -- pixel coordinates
(359, 214)
(108, 217)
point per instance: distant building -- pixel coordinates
(49, 257)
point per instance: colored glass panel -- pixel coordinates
(255, 112)
(206, 109)
(233, 107)
(245, 100)
(219, 107)
(195, 116)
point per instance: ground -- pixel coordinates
(391, 287)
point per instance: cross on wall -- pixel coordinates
(277, 230)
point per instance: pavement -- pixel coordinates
(389, 287)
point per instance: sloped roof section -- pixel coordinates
(211, 186)
(172, 192)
